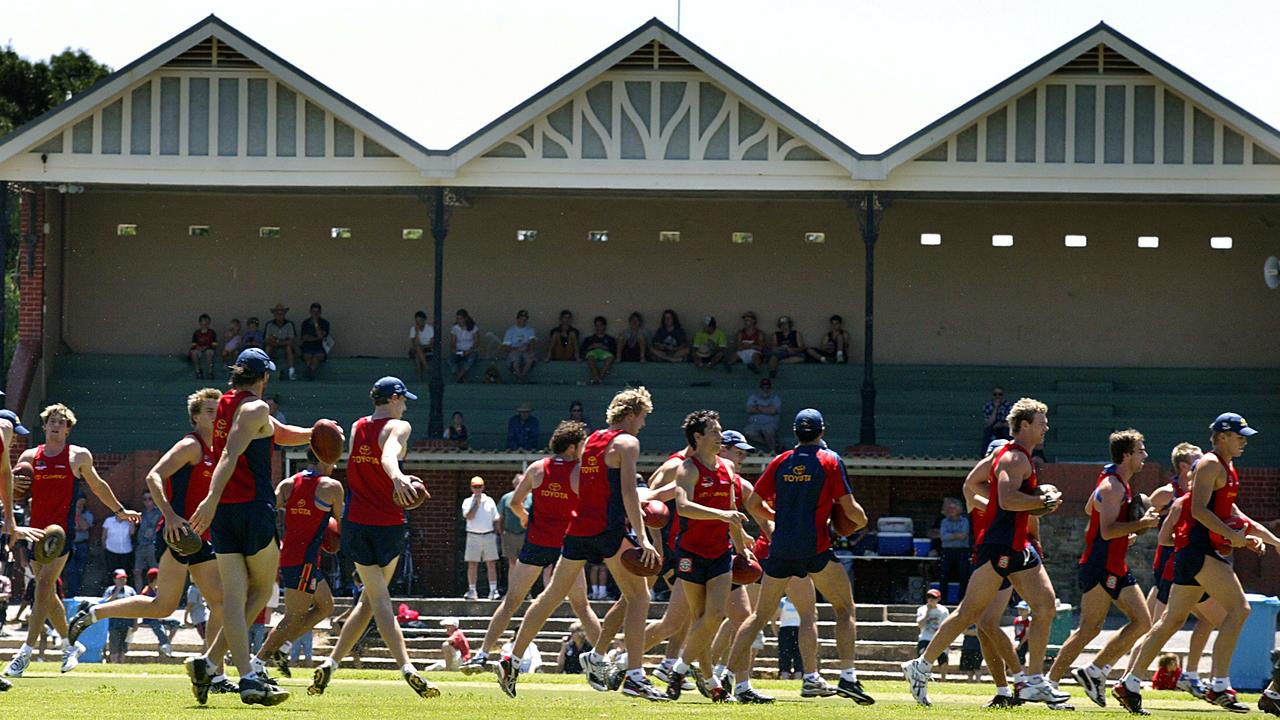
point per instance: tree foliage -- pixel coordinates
(28, 88)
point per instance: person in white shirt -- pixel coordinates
(463, 346)
(484, 526)
(519, 343)
(421, 336)
(117, 540)
(929, 618)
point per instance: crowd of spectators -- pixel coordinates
(284, 341)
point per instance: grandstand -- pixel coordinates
(133, 402)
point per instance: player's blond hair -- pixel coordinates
(197, 398)
(1182, 453)
(1024, 411)
(631, 401)
(58, 409)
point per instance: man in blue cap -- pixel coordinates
(800, 487)
(1212, 527)
(9, 424)
(373, 529)
(240, 511)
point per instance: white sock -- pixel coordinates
(681, 667)
(408, 669)
(1019, 677)
(636, 675)
(1191, 674)
(742, 686)
(1271, 694)
(1053, 684)
(25, 649)
(1132, 682)
(471, 589)
(718, 670)
(668, 663)
(1105, 670)
(1221, 684)
(493, 588)
(330, 662)
(1035, 679)
(850, 674)
(1004, 691)
(215, 679)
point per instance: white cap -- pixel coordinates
(449, 621)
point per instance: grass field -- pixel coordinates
(162, 691)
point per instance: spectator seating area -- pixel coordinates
(130, 402)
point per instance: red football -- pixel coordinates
(655, 514)
(420, 495)
(327, 441)
(840, 522)
(631, 561)
(22, 474)
(746, 571)
(332, 537)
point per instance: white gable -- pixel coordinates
(210, 108)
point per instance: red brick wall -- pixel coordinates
(31, 285)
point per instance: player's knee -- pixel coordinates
(1141, 623)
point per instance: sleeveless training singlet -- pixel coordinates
(1099, 552)
(187, 487)
(554, 502)
(251, 478)
(1006, 527)
(599, 490)
(370, 493)
(53, 490)
(304, 522)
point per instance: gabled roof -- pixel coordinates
(1055, 61)
(654, 30)
(36, 130)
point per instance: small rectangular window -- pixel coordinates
(1220, 243)
(1075, 241)
(743, 238)
(126, 230)
(411, 234)
(816, 238)
(930, 238)
(526, 235)
(598, 236)
(340, 233)
(669, 236)
(1148, 241)
(1001, 241)
(268, 232)
(198, 230)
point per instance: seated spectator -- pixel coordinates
(709, 344)
(748, 344)
(281, 338)
(670, 344)
(763, 408)
(273, 408)
(316, 341)
(457, 431)
(455, 650)
(633, 341)
(204, 341)
(788, 346)
(835, 344)
(252, 337)
(564, 339)
(421, 337)
(519, 342)
(600, 350)
(995, 414)
(463, 348)
(522, 429)
(572, 648)
(231, 342)
(576, 413)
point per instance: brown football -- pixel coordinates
(1044, 490)
(840, 522)
(746, 571)
(22, 474)
(631, 560)
(420, 495)
(188, 542)
(51, 545)
(327, 441)
(655, 514)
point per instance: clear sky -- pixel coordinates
(869, 71)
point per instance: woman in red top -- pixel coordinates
(57, 465)
(304, 503)
(551, 481)
(203, 343)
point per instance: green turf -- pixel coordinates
(161, 691)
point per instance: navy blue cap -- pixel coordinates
(736, 439)
(1232, 422)
(809, 419)
(388, 387)
(996, 445)
(255, 360)
(12, 417)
